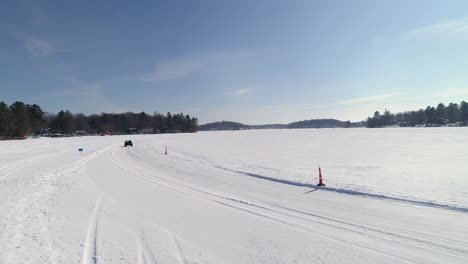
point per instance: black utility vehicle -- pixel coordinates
(128, 143)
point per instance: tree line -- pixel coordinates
(19, 120)
(453, 113)
(320, 123)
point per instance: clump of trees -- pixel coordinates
(440, 115)
(320, 123)
(123, 123)
(19, 120)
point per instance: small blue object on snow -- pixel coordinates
(80, 150)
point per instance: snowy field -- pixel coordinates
(392, 196)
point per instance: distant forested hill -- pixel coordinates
(319, 123)
(452, 114)
(313, 123)
(223, 125)
(268, 126)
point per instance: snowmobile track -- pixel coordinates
(90, 245)
(134, 167)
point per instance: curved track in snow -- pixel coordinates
(191, 206)
(193, 181)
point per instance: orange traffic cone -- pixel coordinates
(320, 178)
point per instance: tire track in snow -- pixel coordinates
(311, 217)
(9, 169)
(412, 200)
(179, 249)
(31, 210)
(145, 256)
(90, 246)
(194, 192)
(82, 161)
(169, 250)
(424, 239)
(135, 167)
(17, 165)
(299, 227)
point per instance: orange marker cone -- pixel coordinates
(320, 178)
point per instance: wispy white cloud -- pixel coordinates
(82, 95)
(354, 109)
(185, 65)
(453, 95)
(365, 99)
(39, 47)
(452, 92)
(241, 92)
(457, 27)
(269, 114)
(173, 69)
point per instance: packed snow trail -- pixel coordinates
(392, 236)
(32, 218)
(206, 205)
(90, 246)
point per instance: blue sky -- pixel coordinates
(258, 61)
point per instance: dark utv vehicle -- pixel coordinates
(128, 143)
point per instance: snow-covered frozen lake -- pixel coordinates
(423, 164)
(392, 196)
